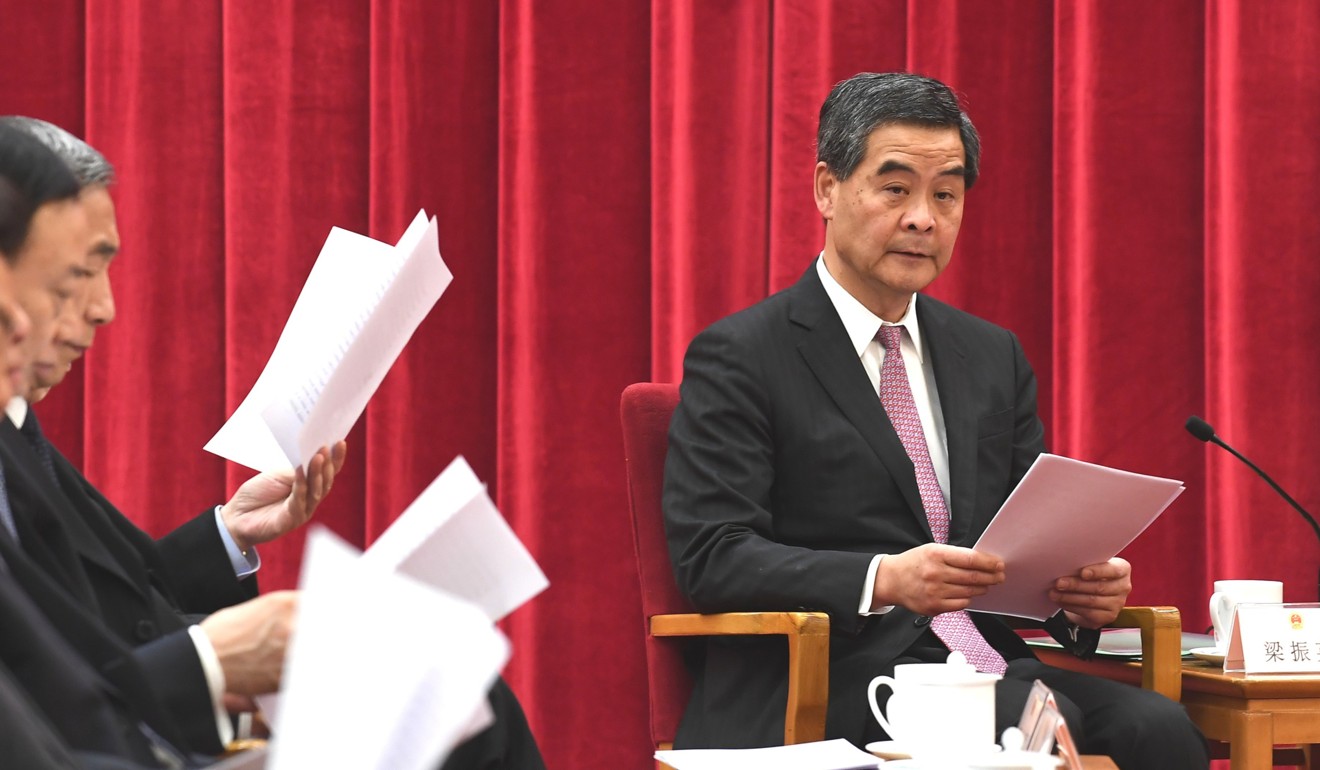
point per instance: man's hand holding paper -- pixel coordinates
(935, 578)
(274, 503)
(1093, 596)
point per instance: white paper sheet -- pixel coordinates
(1065, 514)
(453, 537)
(361, 303)
(837, 754)
(382, 672)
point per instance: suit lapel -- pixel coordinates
(824, 345)
(953, 382)
(83, 522)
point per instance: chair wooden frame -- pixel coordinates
(808, 636)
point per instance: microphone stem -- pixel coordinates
(1276, 487)
(1284, 495)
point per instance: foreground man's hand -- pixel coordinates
(251, 638)
(270, 504)
(1093, 597)
(935, 578)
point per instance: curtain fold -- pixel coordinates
(434, 127)
(1260, 318)
(709, 90)
(1127, 262)
(154, 386)
(611, 177)
(573, 330)
(294, 138)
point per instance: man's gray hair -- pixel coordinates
(88, 166)
(865, 102)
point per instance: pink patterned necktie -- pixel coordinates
(955, 629)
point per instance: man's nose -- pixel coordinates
(918, 216)
(101, 304)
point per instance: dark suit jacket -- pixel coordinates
(122, 580)
(55, 690)
(784, 478)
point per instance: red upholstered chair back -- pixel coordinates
(646, 408)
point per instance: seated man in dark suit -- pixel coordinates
(58, 708)
(141, 590)
(262, 509)
(840, 445)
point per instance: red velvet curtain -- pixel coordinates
(610, 177)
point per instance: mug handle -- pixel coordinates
(879, 681)
(1222, 626)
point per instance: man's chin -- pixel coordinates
(47, 376)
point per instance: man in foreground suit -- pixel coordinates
(105, 584)
(508, 743)
(62, 706)
(839, 445)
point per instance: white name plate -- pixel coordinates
(1275, 639)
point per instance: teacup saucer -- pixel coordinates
(888, 750)
(1016, 760)
(891, 750)
(1213, 655)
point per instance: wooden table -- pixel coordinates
(1089, 762)
(1253, 714)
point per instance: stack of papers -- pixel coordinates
(383, 672)
(1065, 514)
(1125, 643)
(361, 304)
(453, 537)
(822, 755)
(396, 648)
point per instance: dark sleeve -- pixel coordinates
(198, 569)
(1028, 431)
(720, 475)
(176, 674)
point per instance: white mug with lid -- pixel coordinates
(938, 709)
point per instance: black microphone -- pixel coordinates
(1202, 430)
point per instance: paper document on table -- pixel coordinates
(361, 303)
(837, 754)
(1064, 515)
(454, 538)
(382, 672)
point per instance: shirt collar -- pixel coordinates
(861, 324)
(17, 409)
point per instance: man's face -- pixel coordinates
(93, 303)
(48, 272)
(13, 329)
(891, 226)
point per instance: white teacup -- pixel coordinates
(938, 709)
(1229, 594)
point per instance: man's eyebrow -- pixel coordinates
(890, 166)
(897, 166)
(105, 249)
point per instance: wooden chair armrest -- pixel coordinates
(1161, 647)
(742, 624)
(808, 635)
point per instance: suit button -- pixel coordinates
(921, 620)
(146, 630)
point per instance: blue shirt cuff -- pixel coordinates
(244, 564)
